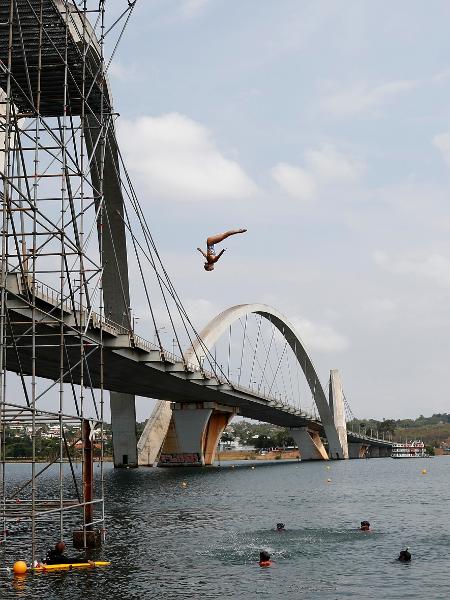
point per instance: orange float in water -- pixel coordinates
(20, 567)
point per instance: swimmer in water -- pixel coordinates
(280, 527)
(210, 256)
(404, 556)
(365, 526)
(264, 559)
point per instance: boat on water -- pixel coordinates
(413, 449)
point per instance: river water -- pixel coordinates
(202, 540)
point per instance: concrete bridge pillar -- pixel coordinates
(336, 402)
(385, 451)
(309, 444)
(357, 450)
(123, 425)
(194, 433)
(105, 170)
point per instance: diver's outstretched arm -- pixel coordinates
(219, 255)
(200, 250)
(215, 239)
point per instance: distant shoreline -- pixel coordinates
(228, 455)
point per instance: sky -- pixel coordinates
(323, 127)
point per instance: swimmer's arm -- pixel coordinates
(200, 250)
(219, 255)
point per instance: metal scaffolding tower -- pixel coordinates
(55, 114)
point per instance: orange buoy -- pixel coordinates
(20, 567)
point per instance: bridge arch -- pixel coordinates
(219, 325)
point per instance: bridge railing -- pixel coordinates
(364, 436)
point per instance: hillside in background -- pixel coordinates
(431, 430)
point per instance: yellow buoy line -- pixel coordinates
(20, 567)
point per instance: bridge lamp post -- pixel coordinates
(157, 332)
(135, 320)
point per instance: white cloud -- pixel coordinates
(294, 181)
(433, 267)
(200, 311)
(442, 142)
(361, 97)
(323, 165)
(331, 165)
(192, 8)
(176, 157)
(321, 338)
(122, 72)
(441, 76)
(381, 305)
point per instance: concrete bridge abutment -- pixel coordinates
(193, 434)
(309, 444)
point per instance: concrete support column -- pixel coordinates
(123, 425)
(193, 434)
(357, 450)
(216, 424)
(105, 173)
(385, 451)
(309, 444)
(374, 452)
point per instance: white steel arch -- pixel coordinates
(219, 325)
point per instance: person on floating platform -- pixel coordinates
(365, 526)
(264, 559)
(280, 527)
(404, 556)
(57, 556)
(210, 256)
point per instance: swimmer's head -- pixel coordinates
(405, 555)
(365, 526)
(60, 547)
(280, 526)
(208, 266)
(264, 556)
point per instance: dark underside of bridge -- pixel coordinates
(36, 58)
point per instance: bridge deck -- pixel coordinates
(132, 365)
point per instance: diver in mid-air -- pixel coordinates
(210, 255)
